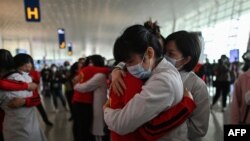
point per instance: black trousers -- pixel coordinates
(69, 96)
(222, 88)
(58, 93)
(42, 113)
(82, 122)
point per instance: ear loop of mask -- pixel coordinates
(149, 67)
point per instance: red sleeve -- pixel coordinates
(168, 120)
(11, 85)
(34, 100)
(35, 76)
(133, 86)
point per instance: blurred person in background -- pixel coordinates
(45, 74)
(82, 103)
(56, 82)
(222, 82)
(98, 85)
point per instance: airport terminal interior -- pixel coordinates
(62, 39)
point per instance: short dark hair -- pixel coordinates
(6, 60)
(97, 60)
(73, 69)
(189, 44)
(135, 40)
(22, 59)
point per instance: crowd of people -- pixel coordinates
(155, 90)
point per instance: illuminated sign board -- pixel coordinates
(32, 10)
(61, 38)
(70, 51)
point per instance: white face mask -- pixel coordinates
(68, 67)
(247, 97)
(139, 72)
(54, 69)
(173, 61)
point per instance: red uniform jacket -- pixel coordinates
(87, 73)
(158, 126)
(35, 99)
(117, 102)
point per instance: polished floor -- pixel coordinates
(62, 129)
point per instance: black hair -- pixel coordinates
(86, 61)
(155, 29)
(6, 60)
(73, 69)
(97, 60)
(22, 59)
(135, 40)
(81, 59)
(246, 58)
(189, 44)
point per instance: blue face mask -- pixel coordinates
(139, 72)
(172, 60)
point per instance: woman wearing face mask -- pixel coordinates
(133, 86)
(96, 84)
(142, 54)
(241, 95)
(86, 98)
(56, 81)
(183, 50)
(20, 124)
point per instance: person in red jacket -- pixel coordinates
(82, 102)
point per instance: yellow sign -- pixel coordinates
(32, 10)
(62, 45)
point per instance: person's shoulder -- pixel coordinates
(17, 76)
(196, 80)
(244, 75)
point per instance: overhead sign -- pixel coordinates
(32, 10)
(61, 38)
(70, 50)
(234, 55)
(19, 50)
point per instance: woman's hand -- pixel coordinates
(76, 79)
(117, 83)
(187, 93)
(32, 86)
(16, 102)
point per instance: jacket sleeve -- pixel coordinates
(167, 120)
(11, 85)
(32, 101)
(198, 122)
(91, 84)
(155, 97)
